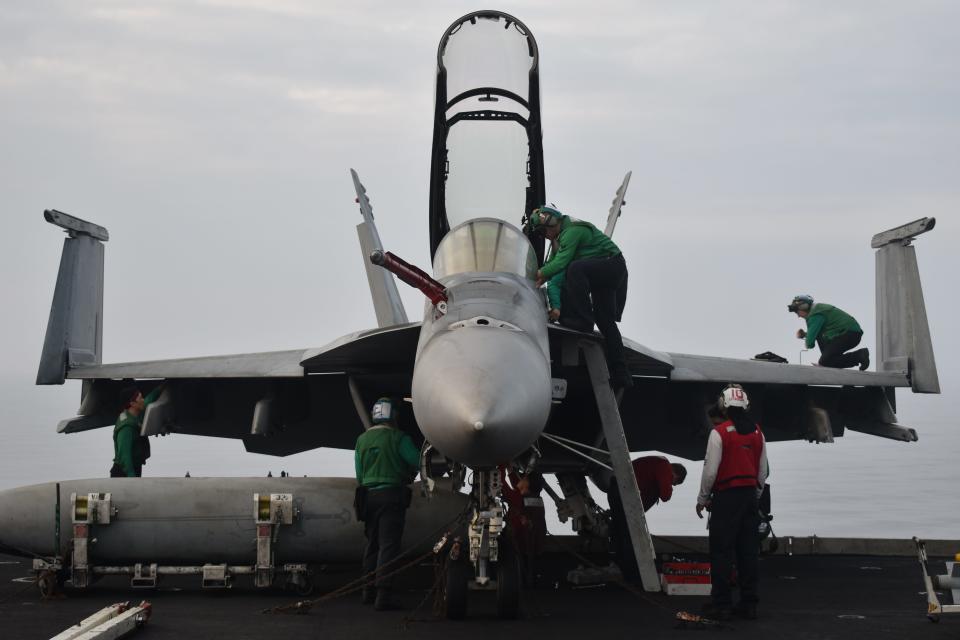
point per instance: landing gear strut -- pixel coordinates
(487, 561)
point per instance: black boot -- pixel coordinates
(386, 601)
(369, 595)
(745, 611)
(715, 612)
(864, 359)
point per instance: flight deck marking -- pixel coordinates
(344, 516)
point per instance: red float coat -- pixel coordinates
(525, 516)
(740, 463)
(654, 479)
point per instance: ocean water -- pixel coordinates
(858, 486)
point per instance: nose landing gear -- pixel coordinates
(489, 562)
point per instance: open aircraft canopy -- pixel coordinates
(487, 150)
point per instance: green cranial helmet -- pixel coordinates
(802, 302)
(383, 411)
(545, 216)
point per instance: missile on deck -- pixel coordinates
(198, 521)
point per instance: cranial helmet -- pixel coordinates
(383, 411)
(802, 302)
(541, 217)
(733, 396)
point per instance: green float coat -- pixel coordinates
(827, 322)
(577, 240)
(385, 457)
(130, 449)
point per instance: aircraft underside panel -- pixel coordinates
(662, 413)
(659, 415)
(277, 417)
(279, 403)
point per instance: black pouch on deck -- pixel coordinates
(770, 356)
(360, 503)
(764, 501)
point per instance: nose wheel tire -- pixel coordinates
(458, 575)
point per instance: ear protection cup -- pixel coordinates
(382, 411)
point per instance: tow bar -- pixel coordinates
(950, 581)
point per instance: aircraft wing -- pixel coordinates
(279, 403)
(693, 368)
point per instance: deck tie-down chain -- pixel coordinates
(370, 579)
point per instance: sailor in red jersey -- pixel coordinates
(656, 476)
(734, 473)
(526, 518)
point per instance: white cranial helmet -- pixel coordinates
(734, 396)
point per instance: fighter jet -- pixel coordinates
(489, 380)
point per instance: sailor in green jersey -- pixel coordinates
(555, 286)
(555, 295)
(594, 282)
(130, 449)
(385, 461)
(833, 330)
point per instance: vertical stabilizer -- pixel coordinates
(383, 288)
(903, 335)
(75, 327)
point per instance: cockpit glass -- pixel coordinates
(487, 175)
(486, 245)
(488, 52)
(487, 62)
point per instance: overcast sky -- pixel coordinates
(768, 142)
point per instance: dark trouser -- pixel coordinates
(605, 281)
(832, 351)
(116, 471)
(528, 531)
(734, 521)
(383, 526)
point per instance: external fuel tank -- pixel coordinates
(205, 520)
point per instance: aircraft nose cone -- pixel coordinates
(481, 396)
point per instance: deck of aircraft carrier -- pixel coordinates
(803, 596)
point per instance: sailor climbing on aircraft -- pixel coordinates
(833, 330)
(593, 268)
